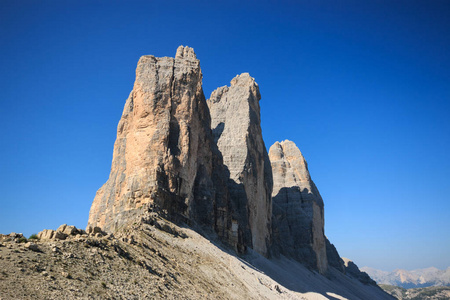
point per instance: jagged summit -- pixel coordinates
(244, 79)
(185, 52)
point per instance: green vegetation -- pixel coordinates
(23, 240)
(33, 237)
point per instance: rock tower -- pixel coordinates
(236, 126)
(298, 215)
(164, 154)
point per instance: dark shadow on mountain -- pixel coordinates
(217, 132)
(293, 219)
(292, 222)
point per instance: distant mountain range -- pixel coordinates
(425, 293)
(411, 279)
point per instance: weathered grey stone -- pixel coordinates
(109, 236)
(32, 246)
(298, 216)
(59, 235)
(236, 126)
(89, 229)
(352, 269)
(46, 234)
(15, 237)
(70, 230)
(164, 155)
(96, 230)
(61, 228)
(334, 260)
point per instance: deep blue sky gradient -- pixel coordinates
(362, 87)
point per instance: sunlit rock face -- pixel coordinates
(164, 154)
(298, 214)
(236, 126)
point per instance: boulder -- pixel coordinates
(89, 229)
(71, 230)
(61, 228)
(31, 246)
(59, 235)
(97, 232)
(67, 230)
(46, 234)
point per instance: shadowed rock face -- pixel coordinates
(352, 269)
(334, 260)
(164, 154)
(298, 216)
(236, 126)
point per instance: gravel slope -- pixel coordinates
(161, 262)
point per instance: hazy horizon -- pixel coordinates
(362, 88)
(409, 270)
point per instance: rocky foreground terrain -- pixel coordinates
(427, 293)
(250, 222)
(156, 259)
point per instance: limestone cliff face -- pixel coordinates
(298, 215)
(164, 154)
(236, 126)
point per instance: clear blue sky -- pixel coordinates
(362, 87)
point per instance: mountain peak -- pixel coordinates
(185, 52)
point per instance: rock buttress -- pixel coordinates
(164, 154)
(298, 212)
(236, 126)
